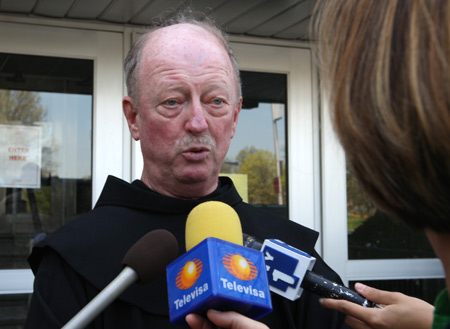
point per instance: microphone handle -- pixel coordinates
(105, 297)
(328, 289)
(251, 242)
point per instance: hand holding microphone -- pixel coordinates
(399, 312)
(289, 271)
(143, 262)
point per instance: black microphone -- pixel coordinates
(143, 262)
(289, 271)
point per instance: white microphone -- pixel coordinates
(143, 262)
(289, 271)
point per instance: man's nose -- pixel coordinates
(196, 122)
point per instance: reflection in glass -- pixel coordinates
(256, 160)
(45, 152)
(374, 235)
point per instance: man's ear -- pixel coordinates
(131, 114)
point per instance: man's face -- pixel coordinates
(188, 110)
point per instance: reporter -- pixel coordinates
(226, 320)
(385, 68)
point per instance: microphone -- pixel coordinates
(213, 219)
(143, 262)
(217, 271)
(289, 271)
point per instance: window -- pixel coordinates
(374, 235)
(45, 158)
(256, 160)
(363, 244)
(271, 65)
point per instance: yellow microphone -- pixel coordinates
(213, 219)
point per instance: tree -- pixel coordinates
(260, 166)
(20, 106)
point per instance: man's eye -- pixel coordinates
(218, 101)
(171, 102)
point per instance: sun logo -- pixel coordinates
(189, 274)
(240, 267)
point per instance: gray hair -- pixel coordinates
(187, 16)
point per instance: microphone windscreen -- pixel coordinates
(150, 255)
(213, 219)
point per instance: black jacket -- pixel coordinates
(73, 264)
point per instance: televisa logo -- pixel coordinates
(218, 274)
(237, 265)
(186, 278)
(189, 274)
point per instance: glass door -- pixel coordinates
(278, 121)
(61, 134)
(45, 148)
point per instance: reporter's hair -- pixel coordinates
(184, 16)
(385, 67)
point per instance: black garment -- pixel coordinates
(73, 264)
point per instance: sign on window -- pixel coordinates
(20, 156)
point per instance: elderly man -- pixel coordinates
(183, 104)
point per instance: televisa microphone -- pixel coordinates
(143, 262)
(217, 271)
(289, 271)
